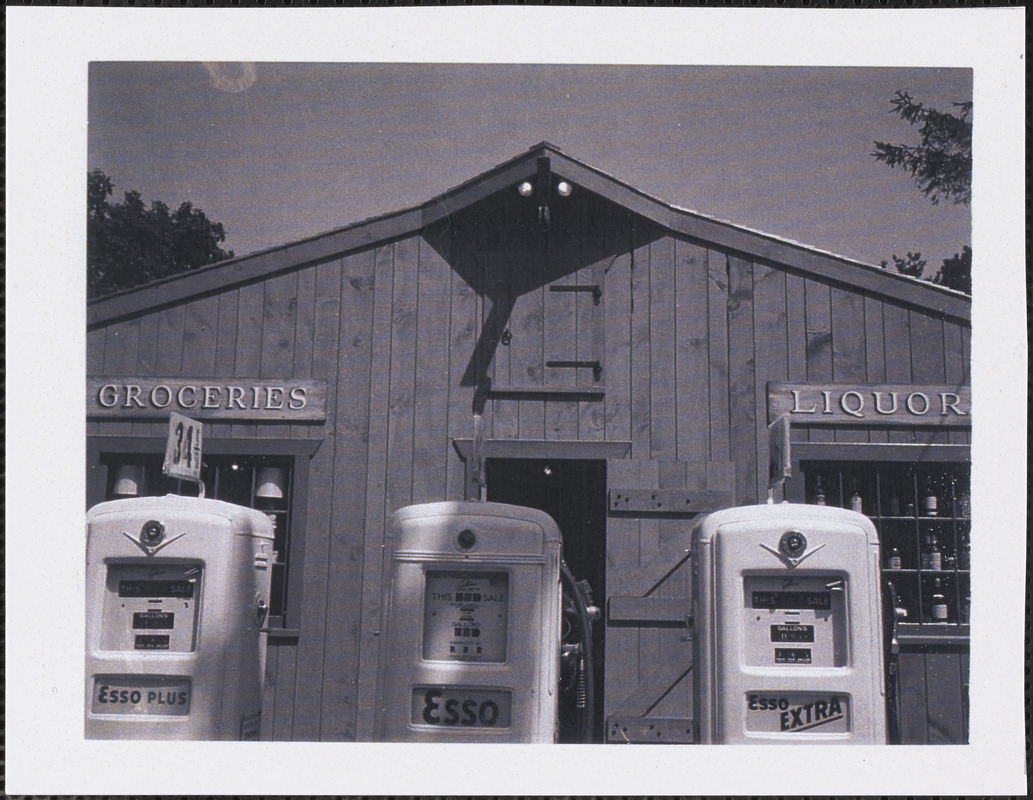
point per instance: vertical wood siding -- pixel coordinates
(849, 361)
(639, 353)
(689, 337)
(332, 684)
(875, 353)
(691, 343)
(329, 349)
(742, 378)
(618, 327)
(933, 690)
(772, 353)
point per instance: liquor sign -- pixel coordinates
(870, 404)
(259, 400)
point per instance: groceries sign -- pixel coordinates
(269, 400)
(870, 404)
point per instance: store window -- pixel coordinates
(268, 475)
(922, 513)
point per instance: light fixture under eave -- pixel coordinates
(525, 188)
(129, 481)
(270, 483)
(564, 189)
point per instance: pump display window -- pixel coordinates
(923, 515)
(259, 482)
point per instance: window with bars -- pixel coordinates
(922, 513)
(261, 482)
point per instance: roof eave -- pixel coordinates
(363, 234)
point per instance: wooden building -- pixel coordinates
(547, 335)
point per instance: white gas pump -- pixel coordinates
(788, 626)
(470, 633)
(176, 597)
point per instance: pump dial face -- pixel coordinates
(465, 616)
(151, 606)
(794, 620)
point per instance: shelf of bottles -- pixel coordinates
(922, 512)
(266, 484)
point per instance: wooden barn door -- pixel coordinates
(651, 506)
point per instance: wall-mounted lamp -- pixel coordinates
(129, 481)
(526, 188)
(541, 188)
(270, 483)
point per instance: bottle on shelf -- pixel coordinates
(932, 556)
(894, 561)
(938, 606)
(856, 504)
(966, 609)
(893, 507)
(819, 492)
(964, 504)
(929, 499)
(950, 551)
(964, 551)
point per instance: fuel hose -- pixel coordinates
(587, 713)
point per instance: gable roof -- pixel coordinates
(806, 260)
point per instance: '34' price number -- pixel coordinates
(183, 449)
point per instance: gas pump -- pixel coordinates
(788, 641)
(470, 632)
(176, 597)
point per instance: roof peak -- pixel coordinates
(545, 145)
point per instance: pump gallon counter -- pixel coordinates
(176, 598)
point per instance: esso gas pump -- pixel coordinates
(788, 636)
(471, 625)
(176, 599)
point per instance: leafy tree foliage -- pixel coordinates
(941, 163)
(956, 272)
(128, 244)
(913, 264)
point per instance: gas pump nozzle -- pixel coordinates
(592, 611)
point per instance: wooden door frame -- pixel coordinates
(530, 448)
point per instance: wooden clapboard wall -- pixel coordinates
(408, 333)
(313, 322)
(934, 685)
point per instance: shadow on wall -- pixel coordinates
(503, 249)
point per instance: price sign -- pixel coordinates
(183, 449)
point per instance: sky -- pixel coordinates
(279, 151)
